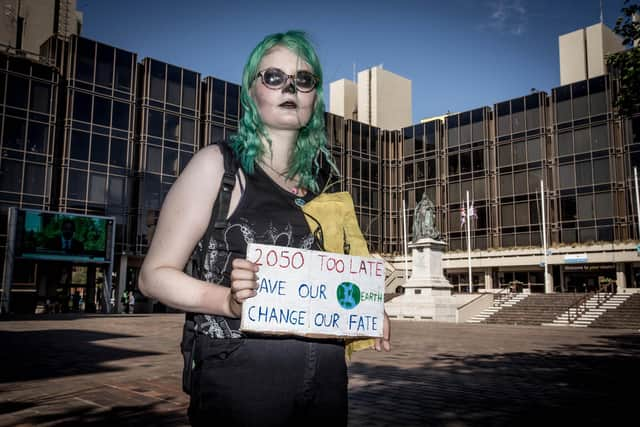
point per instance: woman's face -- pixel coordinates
(284, 108)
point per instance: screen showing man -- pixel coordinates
(66, 240)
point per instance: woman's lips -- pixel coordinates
(288, 104)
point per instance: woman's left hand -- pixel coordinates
(384, 343)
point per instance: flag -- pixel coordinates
(463, 217)
(472, 212)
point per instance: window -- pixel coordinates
(97, 188)
(154, 159)
(104, 65)
(171, 126)
(17, 91)
(581, 140)
(597, 96)
(14, 133)
(477, 125)
(568, 208)
(218, 96)
(99, 148)
(519, 152)
(453, 164)
(79, 149)
(506, 185)
(585, 207)
(11, 174)
(77, 185)
(533, 111)
(121, 115)
(34, 178)
(604, 205)
(174, 83)
(188, 129)
(189, 82)
(567, 178)
(506, 214)
(40, 97)
(157, 80)
(517, 115)
(155, 123)
(522, 213)
(580, 100)
(563, 104)
(465, 162)
(116, 190)
(599, 137)
(82, 107)
(504, 155)
(601, 173)
(465, 127)
(520, 182)
(124, 61)
(565, 143)
(38, 137)
(118, 152)
(452, 131)
(583, 174)
(232, 100)
(101, 111)
(478, 160)
(84, 60)
(534, 149)
(535, 175)
(504, 123)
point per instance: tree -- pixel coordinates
(626, 64)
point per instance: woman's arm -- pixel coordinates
(183, 220)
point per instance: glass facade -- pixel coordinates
(98, 134)
(167, 138)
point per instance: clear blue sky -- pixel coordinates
(459, 54)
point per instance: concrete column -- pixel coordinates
(549, 288)
(122, 282)
(90, 290)
(621, 277)
(488, 279)
(563, 285)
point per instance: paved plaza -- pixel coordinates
(125, 370)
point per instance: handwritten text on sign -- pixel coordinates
(313, 293)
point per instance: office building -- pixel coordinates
(380, 98)
(89, 128)
(583, 52)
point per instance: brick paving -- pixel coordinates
(125, 370)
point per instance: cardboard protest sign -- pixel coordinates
(314, 294)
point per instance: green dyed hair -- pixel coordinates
(311, 138)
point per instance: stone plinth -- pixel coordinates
(427, 293)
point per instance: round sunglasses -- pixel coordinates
(275, 78)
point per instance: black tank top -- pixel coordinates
(266, 213)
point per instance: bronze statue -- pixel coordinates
(424, 220)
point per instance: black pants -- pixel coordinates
(269, 382)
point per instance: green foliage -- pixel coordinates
(626, 64)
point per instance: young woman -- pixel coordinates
(239, 379)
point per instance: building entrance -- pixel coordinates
(587, 281)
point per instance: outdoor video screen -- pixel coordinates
(63, 236)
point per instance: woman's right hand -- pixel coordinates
(244, 284)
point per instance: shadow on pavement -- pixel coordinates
(141, 415)
(593, 385)
(30, 355)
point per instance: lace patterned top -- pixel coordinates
(266, 213)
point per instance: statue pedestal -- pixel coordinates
(427, 293)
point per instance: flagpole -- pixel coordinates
(469, 243)
(635, 177)
(544, 240)
(404, 227)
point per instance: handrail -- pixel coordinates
(602, 294)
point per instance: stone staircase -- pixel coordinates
(500, 301)
(593, 308)
(536, 309)
(625, 316)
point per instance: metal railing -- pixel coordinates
(602, 294)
